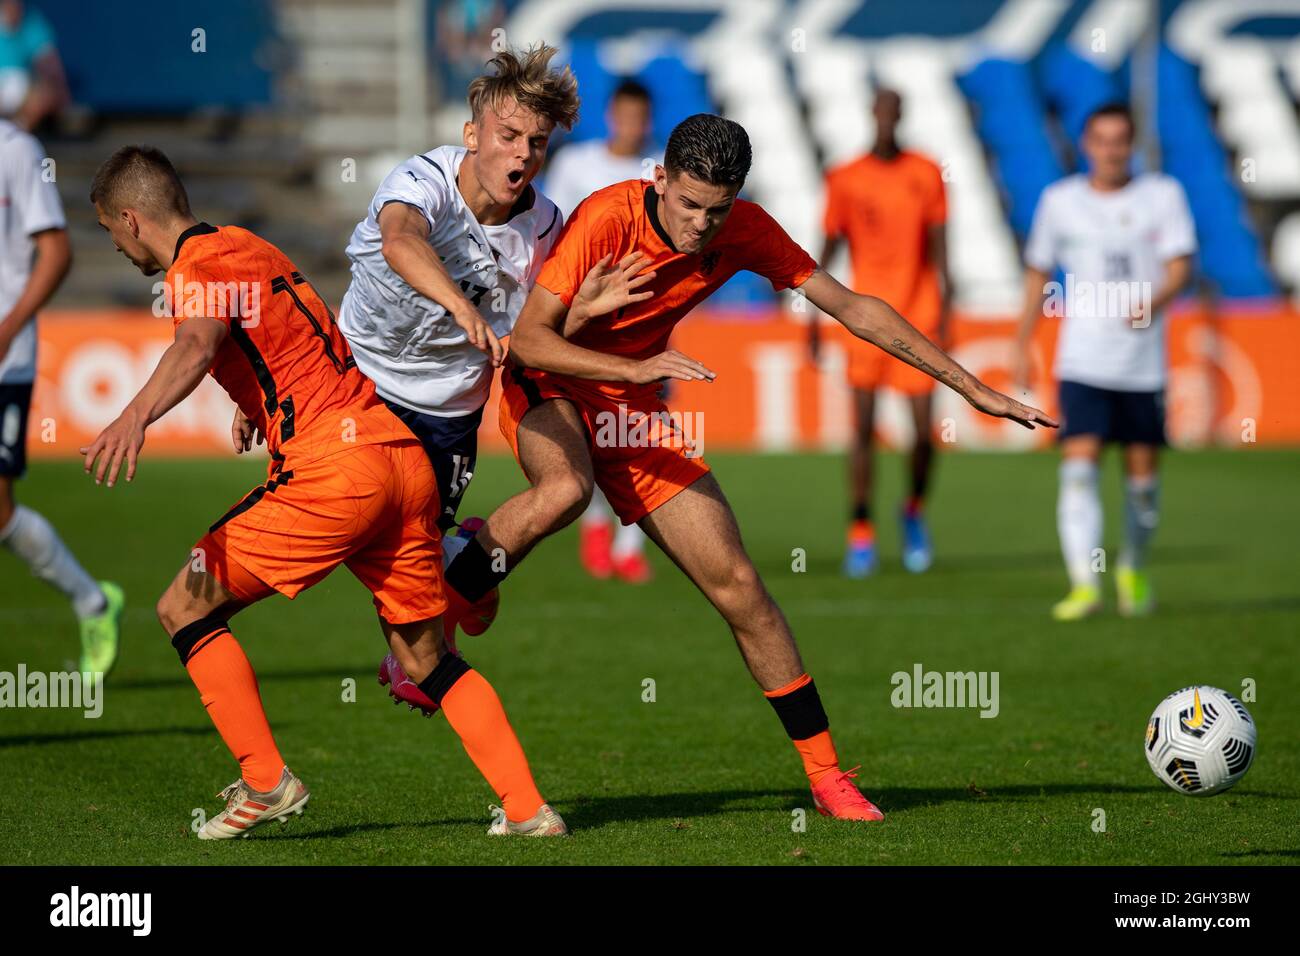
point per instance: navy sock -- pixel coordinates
(471, 572)
(801, 712)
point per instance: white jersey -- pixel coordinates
(1112, 248)
(409, 345)
(29, 203)
(579, 169)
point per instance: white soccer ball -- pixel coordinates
(1200, 740)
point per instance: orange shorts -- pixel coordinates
(373, 508)
(641, 456)
(870, 367)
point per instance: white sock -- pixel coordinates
(598, 510)
(1078, 519)
(1141, 516)
(629, 539)
(31, 537)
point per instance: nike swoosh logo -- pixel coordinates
(1198, 716)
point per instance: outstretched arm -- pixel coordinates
(537, 343)
(179, 372)
(872, 319)
(830, 247)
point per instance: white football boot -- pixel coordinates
(545, 822)
(246, 809)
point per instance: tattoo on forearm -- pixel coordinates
(952, 378)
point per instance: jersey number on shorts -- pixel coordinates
(460, 475)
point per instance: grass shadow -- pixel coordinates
(270, 676)
(22, 740)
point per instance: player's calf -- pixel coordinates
(722, 570)
(551, 444)
(416, 649)
(760, 629)
(477, 716)
(554, 502)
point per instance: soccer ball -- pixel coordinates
(1200, 740)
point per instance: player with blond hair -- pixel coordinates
(451, 244)
(347, 484)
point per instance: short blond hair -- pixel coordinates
(528, 79)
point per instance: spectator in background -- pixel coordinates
(577, 171)
(464, 38)
(32, 83)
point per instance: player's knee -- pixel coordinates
(171, 612)
(740, 585)
(165, 613)
(564, 498)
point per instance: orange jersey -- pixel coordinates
(884, 209)
(284, 362)
(622, 219)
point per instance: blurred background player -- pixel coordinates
(889, 206)
(33, 85)
(466, 31)
(576, 171)
(1125, 246)
(35, 256)
(347, 484)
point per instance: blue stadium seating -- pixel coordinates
(1074, 87)
(115, 67)
(1010, 124)
(1231, 255)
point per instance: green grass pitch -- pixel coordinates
(703, 774)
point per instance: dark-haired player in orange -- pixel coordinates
(564, 387)
(348, 484)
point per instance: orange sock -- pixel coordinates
(228, 688)
(861, 532)
(474, 711)
(800, 708)
(819, 758)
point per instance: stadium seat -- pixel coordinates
(1075, 86)
(1010, 124)
(1231, 255)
